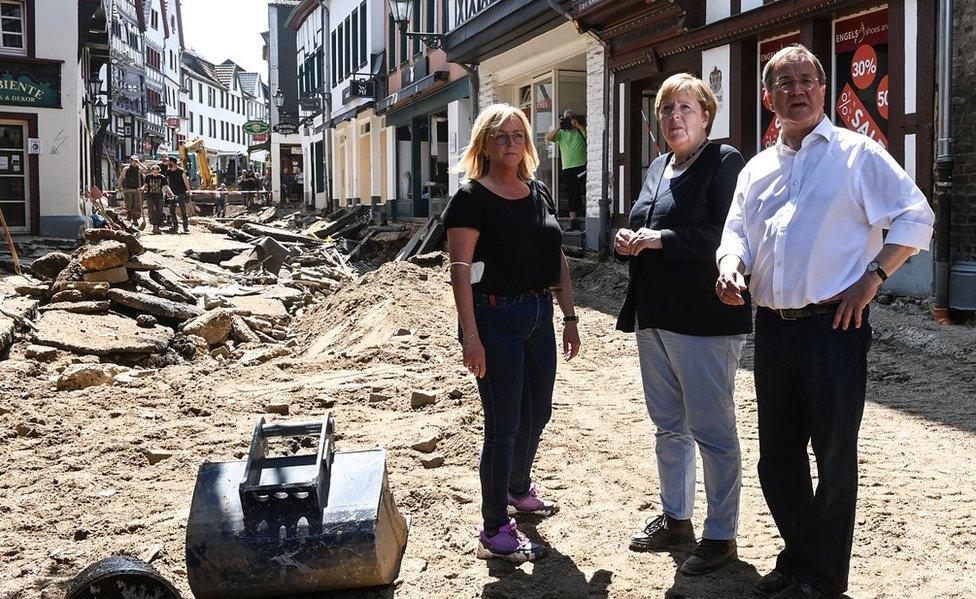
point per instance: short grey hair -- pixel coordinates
(569, 113)
(790, 52)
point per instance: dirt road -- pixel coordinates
(76, 485)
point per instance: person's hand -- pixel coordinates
(854, 299)
(644, 239)
(571, 340)
(621, 241)
(730, 286)
(473, 355)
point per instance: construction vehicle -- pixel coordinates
(193, 158)
(280, 523)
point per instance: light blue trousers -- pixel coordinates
(688, 383)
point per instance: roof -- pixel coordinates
(225, 72)
(300, 13)
(199, 66)
(248, 81)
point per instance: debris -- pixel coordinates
(282, 235)
(419, 399)
(113, 275)
(213, 326)
(146, 321)
(378, 397)
(104, 255)
(81, 534)
(156, 550)
(428, 260)
(170, 282)
(24, 429)
(162, 308)
(259, 356)
(241, 332)
(33, 290)
(282, 408)
(455, 394)
(136, 263)
(68, 295)
(49, 266)
(427, 444)
(434, 461)
(86, 307)
(40, 353)
(156, 456)
(131, 241)
(99, 334)
(95, 291)
(82, 376)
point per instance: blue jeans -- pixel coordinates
(688, 383)
(810, 385)
(516, 394)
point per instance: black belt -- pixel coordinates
(804, 312)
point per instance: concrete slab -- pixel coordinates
(100, 334)
(258, 305)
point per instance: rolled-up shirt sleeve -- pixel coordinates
(892, 201)
(735, 242)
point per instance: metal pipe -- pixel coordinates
(326, 111)
(944, 162)
(604, 239)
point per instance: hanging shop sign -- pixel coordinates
(861, 54)
(358, 88)
(173, 122)
(286, 128)
(769, 125)
(260, 137)
(34, 84)
(256, 127)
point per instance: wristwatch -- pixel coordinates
(876, 269)
(572, 318)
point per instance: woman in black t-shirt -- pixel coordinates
(506, 254)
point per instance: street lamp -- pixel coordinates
(279, 98)
(401, 11)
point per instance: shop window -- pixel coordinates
(347, 57)
(354, 35)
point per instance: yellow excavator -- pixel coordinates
(197, 151)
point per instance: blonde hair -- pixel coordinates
(473, 162)
(683, 82)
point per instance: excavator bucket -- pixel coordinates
(271, 526)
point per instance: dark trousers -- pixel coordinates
(155, 202)
(181, 201)
(573, 187)
(810, 387)
(516, 394)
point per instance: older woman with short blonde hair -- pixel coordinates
(688, 341)
(506, 266)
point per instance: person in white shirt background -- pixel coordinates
(806, 224)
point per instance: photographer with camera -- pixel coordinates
(571, 137)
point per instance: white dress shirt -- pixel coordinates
(807, 223)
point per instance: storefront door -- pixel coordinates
(13, 176)
(543, 121)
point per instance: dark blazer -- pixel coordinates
(674, 288)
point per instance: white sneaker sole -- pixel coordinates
(512, 511)
(518, 557)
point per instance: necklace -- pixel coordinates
(694, 154)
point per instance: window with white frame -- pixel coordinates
(13, 36)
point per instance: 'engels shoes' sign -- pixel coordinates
(37, 85)
(463, 10)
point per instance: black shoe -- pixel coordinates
(709, 555)
(663, 532)
(772, 583)
(801, 590)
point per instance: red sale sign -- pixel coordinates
(856, 116)
(861, 48)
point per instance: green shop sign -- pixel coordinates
(35, 84)
(256, 127)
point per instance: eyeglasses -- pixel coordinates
(504, 139)
(685, 110)
(805, 84)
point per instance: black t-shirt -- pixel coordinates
(175, 177)
(156, 184)
(519, 240)
(132, 178)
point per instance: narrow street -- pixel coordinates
(78, 485)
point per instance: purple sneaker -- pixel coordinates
(531, 504)
(510, 545)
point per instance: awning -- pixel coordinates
(434, 102)
(411, 90)
(350, 113)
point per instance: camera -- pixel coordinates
(566, 123)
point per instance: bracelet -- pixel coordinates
(573, 318)
(466, 337)
(460, 264)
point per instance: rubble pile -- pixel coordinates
(130, 307)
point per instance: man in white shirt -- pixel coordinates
(806, 224)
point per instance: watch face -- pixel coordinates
(872, 267)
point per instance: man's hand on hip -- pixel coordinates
(854, 299)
